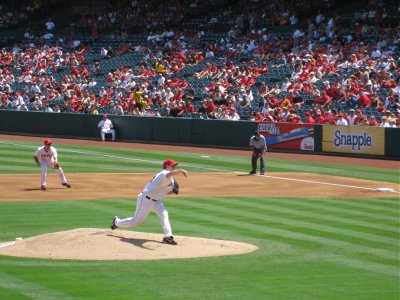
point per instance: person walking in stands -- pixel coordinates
(257, 142)
(150, 199)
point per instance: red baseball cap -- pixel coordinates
(169, 162)
(47, 142)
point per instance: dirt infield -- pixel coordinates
(99, 186)
(104, 244)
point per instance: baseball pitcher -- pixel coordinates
(150, 199)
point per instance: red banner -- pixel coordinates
(288, 135)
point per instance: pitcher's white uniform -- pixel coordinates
(151, 200)
(48, 158)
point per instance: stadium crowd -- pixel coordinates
(343, 72)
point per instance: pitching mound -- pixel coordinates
(105, 244)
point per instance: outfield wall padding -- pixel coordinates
(148, 129)
(392, 142)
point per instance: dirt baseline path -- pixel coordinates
(110, 186)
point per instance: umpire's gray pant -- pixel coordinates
(254, 159)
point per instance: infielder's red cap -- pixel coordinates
(47, 142)
(169, 162)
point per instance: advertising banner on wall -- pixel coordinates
(353, 139)
(288, 135)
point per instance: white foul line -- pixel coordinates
(318, 182)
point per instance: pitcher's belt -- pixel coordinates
(147, 197)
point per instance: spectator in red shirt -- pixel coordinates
(308, 118)
(363, 100)
(263, 69)
(210, 106)
(373, 121)
(258, 117)
(319, 119)
(273, 101)
(324, 100)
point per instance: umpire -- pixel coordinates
(257, 142)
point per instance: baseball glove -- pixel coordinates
(175, 187)
(56, 166)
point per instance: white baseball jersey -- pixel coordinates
(46, 156)
(159, 186)
(106, 125)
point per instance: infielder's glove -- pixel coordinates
(56, 166)
(175, 187)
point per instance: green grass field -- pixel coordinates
(322, 248)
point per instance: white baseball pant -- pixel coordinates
(103, 134)
(43, 177)
(143, 207)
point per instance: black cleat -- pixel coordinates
(43, 188)
(169, 240)
(262, 173)
(113, 225)
(66, 184)
(252, 173)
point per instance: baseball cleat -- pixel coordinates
(252, 173)
(262, 173)
(113, 225)
(43, 188)
(169, 240)
(66, 184)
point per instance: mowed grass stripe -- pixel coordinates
(90, 167)
(30, 289)
(294, 219)
(315, 229)
(259, 223)
(335, 170)
(269, 205)
(391, 270)
(341, 211)
(16, 153)
(358, 204)
(387, 202)
(375, 207)
(15, 169)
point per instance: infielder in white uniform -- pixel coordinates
(150, 199)
(47, 155)
(106, 126)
